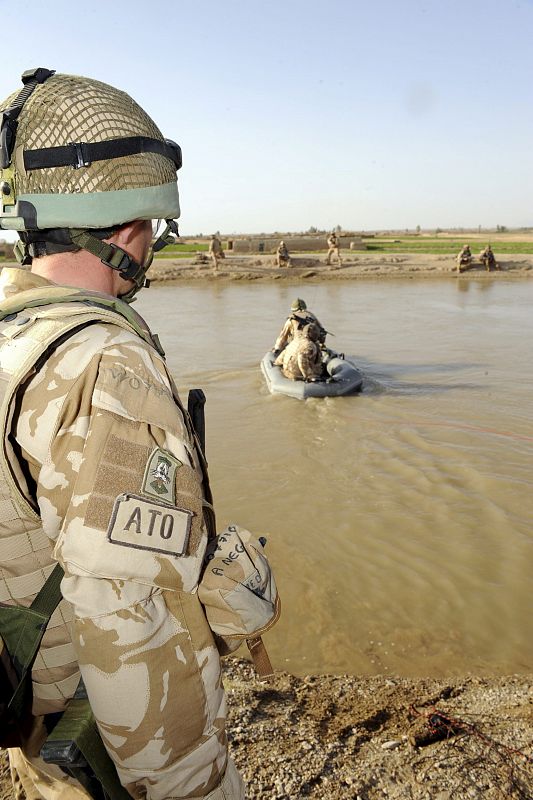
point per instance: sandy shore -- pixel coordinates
(360, 265)
(350, 738)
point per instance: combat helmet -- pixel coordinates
(79, 159)
(298, 305)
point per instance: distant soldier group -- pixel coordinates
(283, 258)
(464, 259)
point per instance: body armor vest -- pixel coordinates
(32, 324)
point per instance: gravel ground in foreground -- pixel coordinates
(351, 738)
(336, 737)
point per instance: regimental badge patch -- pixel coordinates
(148, 525)
(159, 476)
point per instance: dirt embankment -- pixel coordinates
(350, 738)
(354, 266)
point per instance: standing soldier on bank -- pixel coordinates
(283, 258)
(333, 248)
(101, 471)
(215, 250)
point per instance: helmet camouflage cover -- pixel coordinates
(298, 305)
(76, 153)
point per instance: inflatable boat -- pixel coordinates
(343, 378)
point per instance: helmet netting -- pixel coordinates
(70, 108)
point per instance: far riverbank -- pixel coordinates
(311, 266)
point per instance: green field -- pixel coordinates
(185, 250)
(403, 244)
(426, 245)
(182, 250)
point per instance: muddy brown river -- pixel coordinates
(399, 521)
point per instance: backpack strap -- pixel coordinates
(22, 630)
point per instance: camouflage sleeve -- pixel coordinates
(283, 338)
(119, 492)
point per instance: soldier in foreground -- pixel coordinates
(302, 358)
(283, 258)
(299, 317)
(101, 471)
(333, 248)
(215, 251)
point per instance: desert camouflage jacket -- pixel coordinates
(301, 359)
(215, 245)
(292, 325)
(106, 459)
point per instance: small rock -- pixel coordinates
(392, 744)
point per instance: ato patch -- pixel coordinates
(149, 525)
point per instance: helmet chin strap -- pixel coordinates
(69, 239)
(115, 257)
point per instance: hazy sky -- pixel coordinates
(292, 113)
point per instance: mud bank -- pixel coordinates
(314, 267)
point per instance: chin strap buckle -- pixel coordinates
(21, 252)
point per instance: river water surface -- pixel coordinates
(399, 520)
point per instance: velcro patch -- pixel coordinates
(149, 525)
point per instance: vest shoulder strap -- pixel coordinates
(50, 295)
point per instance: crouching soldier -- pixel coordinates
(302, 358)
(283, 258)
(488, 260)
(464, 258)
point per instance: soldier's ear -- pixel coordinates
(129, 232)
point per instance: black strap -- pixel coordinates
(82, 154)
(195, 409)
(30, 79)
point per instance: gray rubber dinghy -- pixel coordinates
(343, 378)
